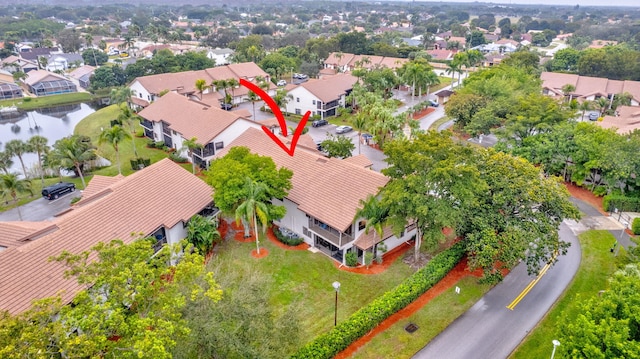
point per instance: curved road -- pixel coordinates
(489, 329)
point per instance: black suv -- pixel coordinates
(226, 106)
(318, 123)
(58, 189)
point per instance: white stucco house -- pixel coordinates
(220, 56)
(173, 119)
(325, 197)
(321, 97)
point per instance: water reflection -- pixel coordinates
(53, 123)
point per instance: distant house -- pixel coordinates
(157, 201)
(220, 56)
(62, 62)
(345, 62)
(37, 52)
(588, 88)
(8, 88)
(83, 75)
(14, 64)
(441, 55)
(627, 120)
(43, 83)
(321, 97)
(173, 119)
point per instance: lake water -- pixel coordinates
(53, 123)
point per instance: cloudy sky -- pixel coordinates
(634, 3)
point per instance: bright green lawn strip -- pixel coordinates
(30, 103)
(596, 265)
(305, 278)
(92, 126)
(433, 318)
(434, 126)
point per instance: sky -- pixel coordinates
(634, 3)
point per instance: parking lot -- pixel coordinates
(41, 209)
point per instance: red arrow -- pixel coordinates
(281, 121)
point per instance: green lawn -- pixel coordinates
(305, 278)
(30, 103)
(597, 264)
(433, 318)
(93, 124)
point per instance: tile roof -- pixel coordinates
(367, 240)
(361, 60)
(338, 59)
(627, 121)
(329, 189)
(161, 194)
(360, 160)
(588, 86)
(41, 75)
(330, 88)
(11, 233)
(190, 118)
(81, 71)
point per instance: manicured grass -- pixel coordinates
(92, 126)
(433, 318)
(597, 264)
(305, 278)
(30, 103)
(434, 126)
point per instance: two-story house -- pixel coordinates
(321, 97)
(173, 119)
(588, 88)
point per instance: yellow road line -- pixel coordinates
(528, 288)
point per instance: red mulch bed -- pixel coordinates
(223, 228)
(586, 196)
(458, 272)
(420, 114)
(375, 268)
(273, 239)
(239, 236)
(236, 227)
(263, 253)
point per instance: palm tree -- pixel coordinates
(430, 79)
(602, 103)
(127, 42)
(233, 83)
(5, 161)
(360, 122)
(121, 95)
(201, 85)
(127, 115)
(375, 215)
(190, 146)
(11, 185)
(253, 98)
(568, 90)
(253, 208)
(114, 136)
(89, 39)
(454, 67)
(73, 151)
(39, 146)
(18, 148)
(585, 106)
(282, 99)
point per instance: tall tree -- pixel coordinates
(73, 151)
(202, 232)
(201, 85)
(338, 146)
(5, 161)
(18, 148)
(190, 146)
(129, 117)
(253, 209)
(39, 145)
(375, 214)
(11, 185)
(114, 136)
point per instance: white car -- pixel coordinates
(281, 83)
(343, 129)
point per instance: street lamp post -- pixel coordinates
(555, 343)
(336, 286)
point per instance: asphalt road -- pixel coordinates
(41, 209)
(489, 329)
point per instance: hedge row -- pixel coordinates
(361, 322)
(622, 203)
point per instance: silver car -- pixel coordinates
(343, 129)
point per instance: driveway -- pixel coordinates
(41, 209)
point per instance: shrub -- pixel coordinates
(290, 241)
(329, 344)
(635, 226)
(159, 144)
(151, 143)
(26, 99)
(173, 156)
(622, 203)
(352, 259)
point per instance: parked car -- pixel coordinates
(318, 123)
(433, 103)
(593, 116)
(343, 129)
(300, 76)
(226, 106)
(282, 83)
(57, 190)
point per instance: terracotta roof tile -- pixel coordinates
(41, 75)
(161, 194)
(330, 88)
(360, 160)
(329, 189)
(627, 121)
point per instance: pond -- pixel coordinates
(53, 123)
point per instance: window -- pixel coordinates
(140, 95)
(298, 112)
(362, 224)
(313, 102)
(219, 145)
(306, 232)
(297, 99)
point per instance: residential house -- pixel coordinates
(588, 88)
(338, 61)
(173, 119)
(34, 54)
(345, 62)
(496, 48)
(83, 75)
(365, 62)
(62, 62)
(626, 120)
(157, 201)
(8, 87)
(325, 197)
(15, 64)
(220, 56)
(147, 89)
(441, 55)
(321, 97)
(43, 83)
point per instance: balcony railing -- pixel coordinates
(330, 234)
(146, 124)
